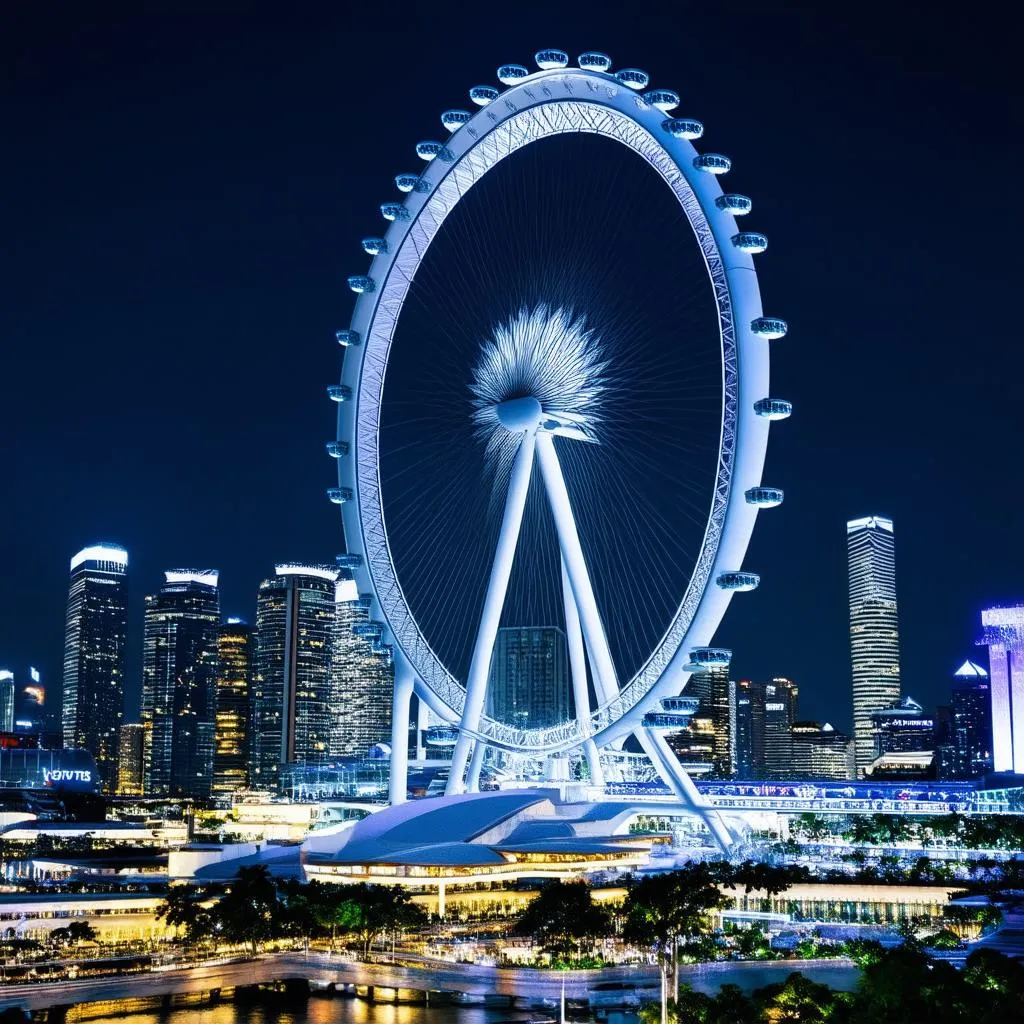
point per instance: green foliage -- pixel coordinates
(562, 915)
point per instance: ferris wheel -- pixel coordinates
(548, 418)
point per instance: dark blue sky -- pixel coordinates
(185, 185)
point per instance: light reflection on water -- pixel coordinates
(317, 1011)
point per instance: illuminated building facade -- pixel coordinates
(819, 752)
(294, 714)
(780, 701)
(94, 651)
(874, 626)
(130, 760)
(1004, 636)
(232, 715)
(972, 721)
(529, 681)
(179, 674)
(748, 714)
(6, 700)
(362, 680)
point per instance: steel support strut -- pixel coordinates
(501, 569)
(398, 786)
(578, 667)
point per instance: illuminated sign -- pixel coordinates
(34, 673)
(775, 707)
(52, 775)
(910, 723)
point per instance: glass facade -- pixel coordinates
(94, 651)
(179, 684)
(293, 714)
(231, 730)
(363, 681)
(529, 683)
(1004, 637)
(874, 627)
(130, 760)
(972, 722)
(780, 701)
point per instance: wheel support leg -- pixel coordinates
(578, 668)
(398, 785)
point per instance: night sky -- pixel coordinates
(184, 190)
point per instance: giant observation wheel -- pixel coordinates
(526, 415)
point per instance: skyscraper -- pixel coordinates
(780, 703)
(717, 696)
(130, 760)
(363, 682)
(529, 684)
(94, 649)
(819, 752)
(874, 627)
(179, 666)
(748, 703)
(6, 700)
(294, 716)
(1004, 637)
(231, 731)
(972, 721)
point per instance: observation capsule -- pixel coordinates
(681, 705)
(348, 338)
(339, 392)
(509, 74)
(592, 60)
(750, 241)
(441, 735)
(336, 449)
(665, 720)
(633, 78)
(361, 284)
(769, 327)
(764, 497)
(481, 95)
(374, 246)
(712, 163)
(407, 182)
(664, 99)
(348, 561)
(711, 657)
(453, 120)
(339, 495)
(734, 203)
(683, 127)
(740, 581)
(394, 211)
(432, 151)
(773, 408)
(548, 60)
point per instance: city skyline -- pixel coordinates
(795, 624)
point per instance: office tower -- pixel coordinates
(1004, 637)
(717, 716)
(179, 679)
(874, 628)
(972, 721)
(232, 715)
(780, 700)
(748, 704)
(819, 752)
(131, 759)
(529, 683)
(6, 700)
(363, 681)
(294, 715)
(33, 715)
(902, 728)
(94, 650)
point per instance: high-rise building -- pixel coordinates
(780, 703)
(748, 704)
(179, 680)
(529, 684)
(903, 728)
(130, 759)
(6, 700)
(874, 626)
(94, 651)
(232, 717)
(1004, 636)
(819, 752)
(717, 696)
(972, 721)
(362, 680)
(294, 714)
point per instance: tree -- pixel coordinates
(183, 909)
(81, 931)
(799, 999)
(561, 916)
(370, 911)
(250, 912)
